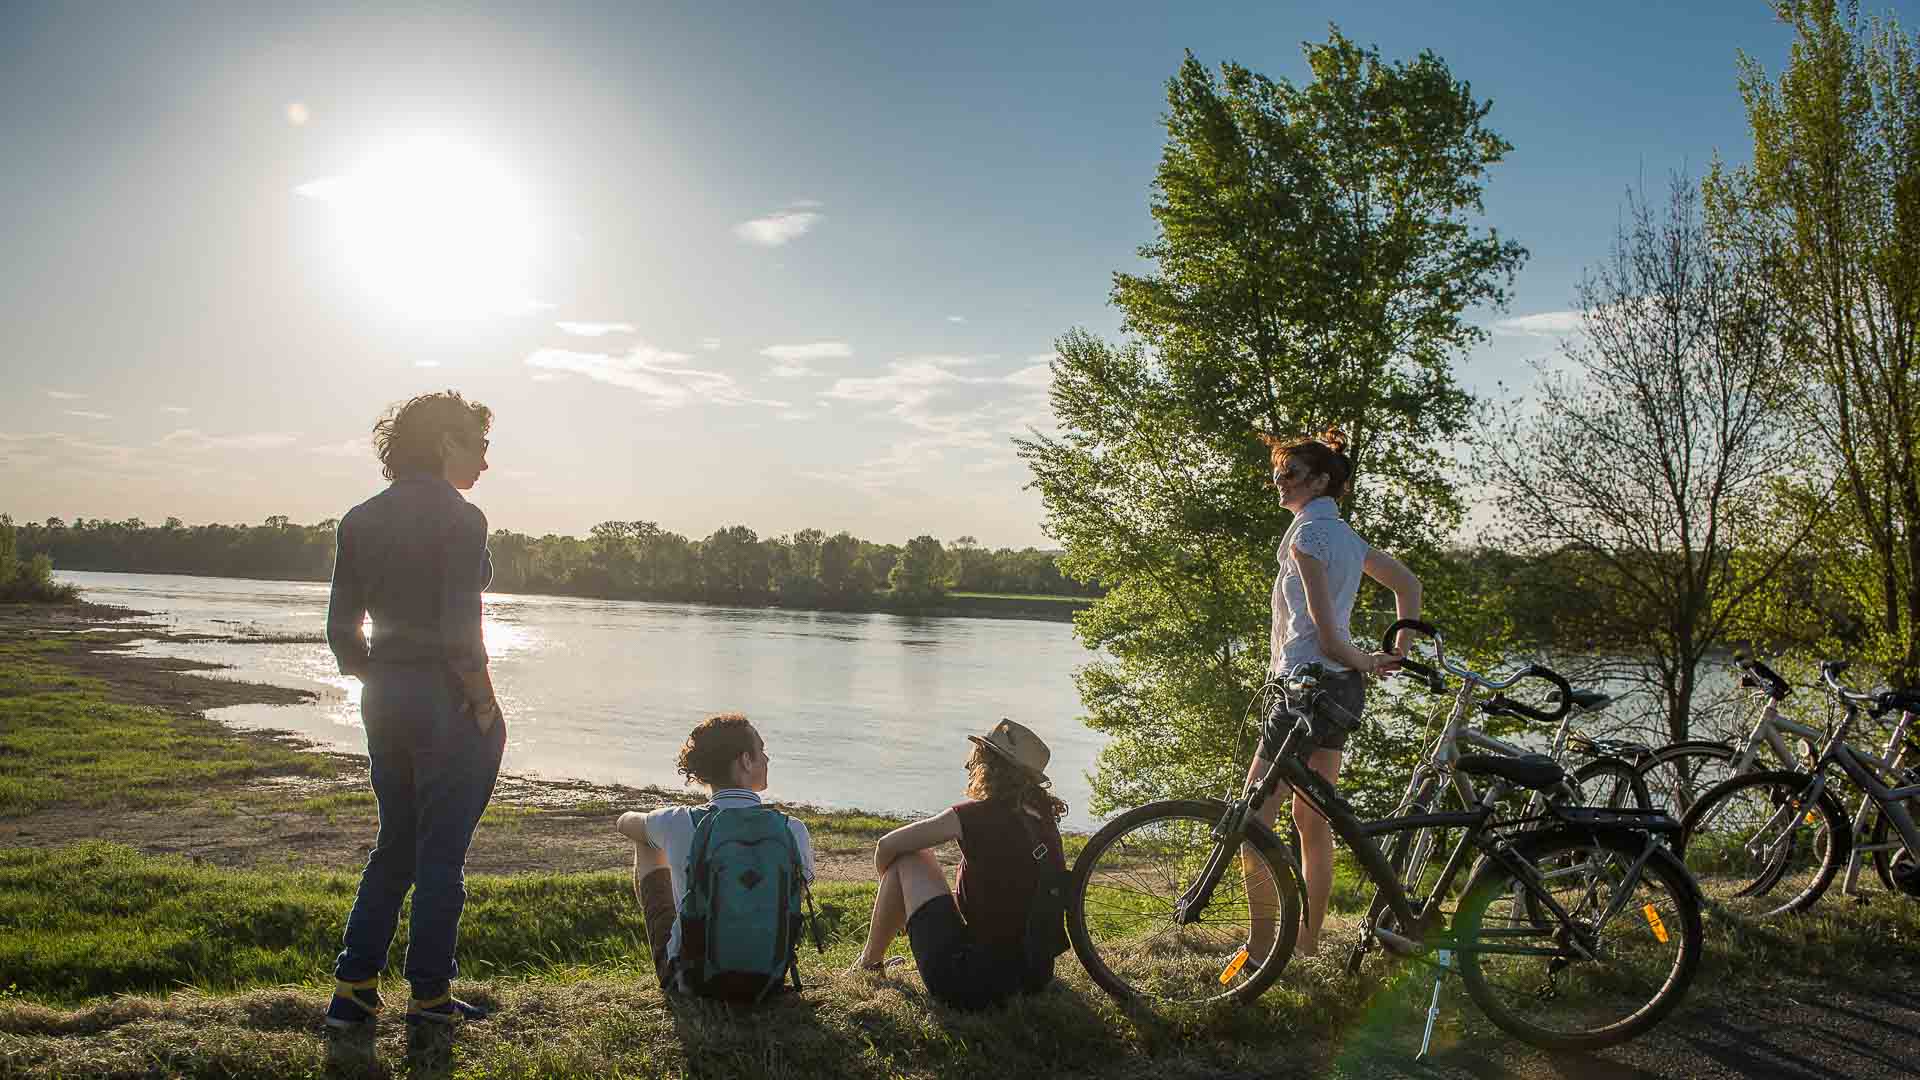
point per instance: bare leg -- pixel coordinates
(1316, 852)
(1263, 896)
(653, 887)
(910, 881)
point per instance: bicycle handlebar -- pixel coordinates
(1428, 675)
(1754, 673)
(1502, 702)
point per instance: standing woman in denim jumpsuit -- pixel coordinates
(414, 557)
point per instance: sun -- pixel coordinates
(435, 229)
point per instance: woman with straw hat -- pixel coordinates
(971, 942)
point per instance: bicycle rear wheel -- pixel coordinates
(1132, 874)
(1757, 850)
(1525, 970)
(1677, 775)
(1612, 783)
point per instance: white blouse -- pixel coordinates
(1319, 532)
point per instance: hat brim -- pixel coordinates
(978, 740)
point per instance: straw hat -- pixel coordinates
(1017, 744)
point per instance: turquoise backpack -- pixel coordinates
(740, 920)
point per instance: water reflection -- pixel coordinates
(861, 710)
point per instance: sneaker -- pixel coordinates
(445, 1010)
(355, 1004)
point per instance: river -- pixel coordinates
(859, 710)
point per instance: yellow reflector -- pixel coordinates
(1809, 817)
(1653, 920)
(1233, 966)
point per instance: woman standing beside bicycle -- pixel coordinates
(1321, 562)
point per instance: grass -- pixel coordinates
(62, 741)
(116, 963)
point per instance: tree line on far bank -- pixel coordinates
(625, 560)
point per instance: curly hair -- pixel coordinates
(407, 436)
(711, 749)
(992, 778)
(1324, 454)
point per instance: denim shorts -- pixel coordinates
(958, 971)
(1343, 695)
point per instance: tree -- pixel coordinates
(839, 576)
(918, 578)
(1831, 207)
(1316, 251)
(1645, 473)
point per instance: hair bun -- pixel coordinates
(1335, 440)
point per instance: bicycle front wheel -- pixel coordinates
(1758, 849)
(1129, 880)
(1616, 966)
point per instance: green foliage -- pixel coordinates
(1316, 252)
(919, 577)
(30, 581)
(1830, 207)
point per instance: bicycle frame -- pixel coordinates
(1359, 837)
(1863, 768)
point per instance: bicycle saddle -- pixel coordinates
(1589, 700)
(1528, 770)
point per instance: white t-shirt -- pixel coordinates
(670, 829)
(1318, 531)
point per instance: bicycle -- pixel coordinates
(1680, 772)
(1612, 779)
(1771, 841)
(1594, 949)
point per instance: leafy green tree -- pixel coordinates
(1316, 250)
(1831, 205)
(839, 572)
(919, 578)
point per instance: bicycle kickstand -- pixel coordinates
(1444, 965)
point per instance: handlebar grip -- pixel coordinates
(1503, 703)
(1415, 625)
(1778, 688)
(1434, 681)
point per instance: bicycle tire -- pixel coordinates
(1621, 773)
(1122, 964)
(1884, 857)
(1668, 759)
(1493, 882)
(1733, 878)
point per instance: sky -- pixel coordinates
(783, 265)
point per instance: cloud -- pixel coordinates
(779, 227)
(175, 409)
(193, 440)
(64, 395)
(46, 452)
(656, 374)
(792, 361)
(957, 419)
(88, 414)
(1544, 324)
(594, 329)
(710, 343)
(956, 318)
(426, 363)
(1037, 377)
(349, 448)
